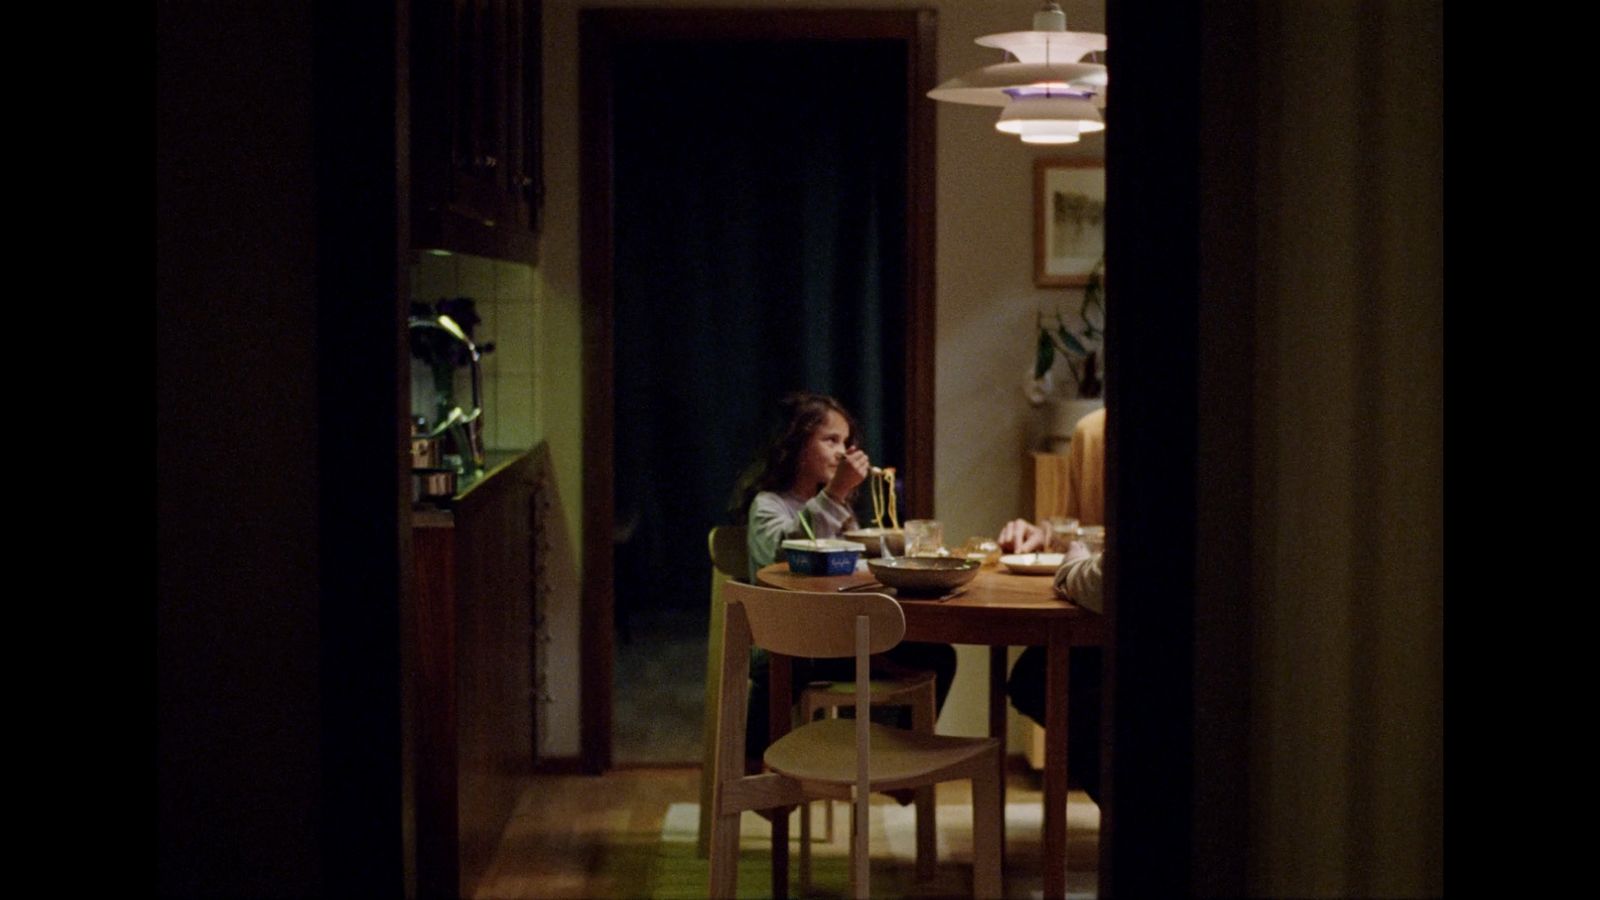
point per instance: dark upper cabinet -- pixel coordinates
(476, 183)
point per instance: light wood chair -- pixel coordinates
(730, 561)
(834, 758)
(919, 692)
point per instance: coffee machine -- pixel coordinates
(458, 434)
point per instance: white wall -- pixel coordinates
(987, 304)
(985, 297)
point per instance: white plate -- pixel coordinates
(1033, 563)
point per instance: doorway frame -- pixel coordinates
(601, 34)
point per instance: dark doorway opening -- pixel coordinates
(757, 229)
(758, 218)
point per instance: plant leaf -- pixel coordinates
(1093, 309)
(1070, 340)
(1045, 355)
(1093, 314)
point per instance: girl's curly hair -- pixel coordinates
(777, 466)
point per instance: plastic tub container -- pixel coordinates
(824, 556)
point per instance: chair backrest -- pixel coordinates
(730, 561)
(817, 623)
(730, 554)
(794, 623)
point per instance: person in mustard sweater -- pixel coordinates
(1086, 470)
(1078, 580)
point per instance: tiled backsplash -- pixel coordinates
(505, 295)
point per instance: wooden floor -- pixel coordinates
(596, 837)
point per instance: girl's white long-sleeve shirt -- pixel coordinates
(775, 518)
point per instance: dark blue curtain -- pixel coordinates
(760, 196)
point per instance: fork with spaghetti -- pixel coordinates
(882, 491)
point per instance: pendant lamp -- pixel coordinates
(1050, 95)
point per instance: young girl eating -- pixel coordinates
(814, 465)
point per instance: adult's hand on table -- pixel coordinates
(1075, 551)
(848, 474)
(1021, 536)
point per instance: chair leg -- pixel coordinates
(923, 715)
(860, 881)
(724, 856)
(988, 819)
(805, 849)
(807, 711)
(927, 834)
(827, 805)
(708, 756)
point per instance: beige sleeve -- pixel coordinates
(1078, 580)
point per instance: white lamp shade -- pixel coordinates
(1049, 115)
(1046, 46)
(1049, 95)
(987, 86)
(1049, 138)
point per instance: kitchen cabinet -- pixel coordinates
(476, 573)
(476, 182)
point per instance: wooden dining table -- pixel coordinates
(998, 608)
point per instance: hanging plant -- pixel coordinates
(1079, 350)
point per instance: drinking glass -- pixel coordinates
(1059, 532)
(982, 548)
(1094, 537)
(924, 537)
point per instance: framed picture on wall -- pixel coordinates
(1069, 220)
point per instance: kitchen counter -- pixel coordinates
(494, 461)
(475, 576)
(432, 514)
